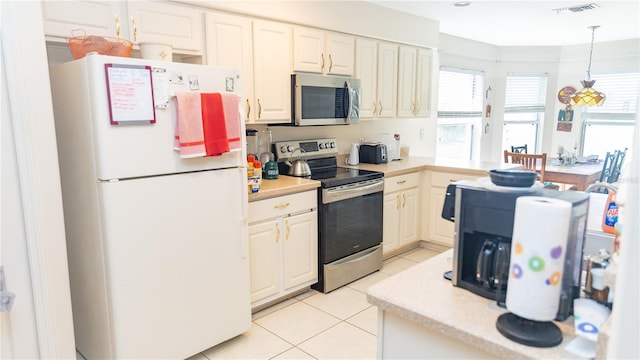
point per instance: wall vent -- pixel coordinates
(576, 9)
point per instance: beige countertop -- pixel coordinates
(420, 294)
(283, 185)
(410, 164)
(288, 184)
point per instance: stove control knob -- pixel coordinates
(333, 145)
(290, 148)
(327, 146)
(321, 145)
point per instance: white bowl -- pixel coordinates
(155, 51)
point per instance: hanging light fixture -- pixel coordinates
(589, 96)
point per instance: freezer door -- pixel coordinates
(84, 128)
(177, 272)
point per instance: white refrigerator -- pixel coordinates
(157, 244)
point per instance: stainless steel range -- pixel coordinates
(349, 212)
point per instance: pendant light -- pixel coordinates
(588, 95)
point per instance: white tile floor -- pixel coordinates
(313, 325)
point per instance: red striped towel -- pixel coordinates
(230, 103)
(214, 125)
(189, 135)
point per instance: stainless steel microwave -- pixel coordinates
(324, 100)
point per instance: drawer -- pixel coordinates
(282, 206)
(443, 179)
(401, 182)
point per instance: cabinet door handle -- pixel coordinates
(380, 111)
(135, 29)
(413, 107)
(322, 66)
(248, 109)
(117, 19)
(404, 199)
(281, 206)
(277, 232)
(259, 109)
(330, 63)
(397, 201)
(286, 237)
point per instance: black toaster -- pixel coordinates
(373, 153)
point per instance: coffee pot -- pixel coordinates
(354, 156)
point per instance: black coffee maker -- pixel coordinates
(483, 214)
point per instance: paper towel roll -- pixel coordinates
(538, 248)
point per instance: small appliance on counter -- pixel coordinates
(354, 155)
(373, 153)
(484, 225)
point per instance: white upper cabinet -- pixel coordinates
(262, 50)
(322, 51)
(414, 82)
(137, 21)
(229, 43)
(377, 69)
(100, 18)
(272, 53)
(159, 22)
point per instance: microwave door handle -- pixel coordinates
(350, 94)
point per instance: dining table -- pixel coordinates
(581, 174)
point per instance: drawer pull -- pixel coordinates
(281, 206)
(452, 180)
(401, 182)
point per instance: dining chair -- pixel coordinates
(607, 166)
(534, 162)
(617, 165)
(519, 149)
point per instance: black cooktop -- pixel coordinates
(342, 176)
(329, 174)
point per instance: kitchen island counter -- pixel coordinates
(422, 315)
(409, 164)
(283, 185)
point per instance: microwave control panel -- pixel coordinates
(305, 149)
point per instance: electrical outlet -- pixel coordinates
(421, 133)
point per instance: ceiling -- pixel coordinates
(529, 23)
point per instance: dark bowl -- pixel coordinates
(513, 178)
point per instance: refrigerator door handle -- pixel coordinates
(244, 250)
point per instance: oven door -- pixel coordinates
(350, 219)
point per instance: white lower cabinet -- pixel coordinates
(283, 243)
(401, 212)
(441, 231)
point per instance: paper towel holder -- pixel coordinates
(529, 332)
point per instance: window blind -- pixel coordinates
(460, 93)
(525, 93)
(622, 91)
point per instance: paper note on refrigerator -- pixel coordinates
(130, 94)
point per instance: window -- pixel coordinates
(459, 112)
(610, 127)
(523, 110)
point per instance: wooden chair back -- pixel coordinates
(534, 162)
(519, 149)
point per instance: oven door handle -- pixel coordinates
(347, 192)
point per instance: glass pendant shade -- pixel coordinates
(588, 96)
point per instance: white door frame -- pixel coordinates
(40, 199)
